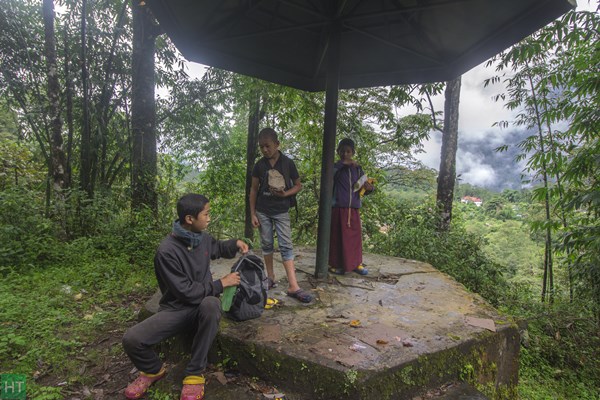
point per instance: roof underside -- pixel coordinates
(383, 42)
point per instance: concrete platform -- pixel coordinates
(401, 331)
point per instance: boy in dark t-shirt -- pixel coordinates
(269, 208)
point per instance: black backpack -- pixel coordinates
(251, 295)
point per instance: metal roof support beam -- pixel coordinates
(330, 126)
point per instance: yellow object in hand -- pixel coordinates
(363, 190)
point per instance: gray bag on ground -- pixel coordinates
(251, 295)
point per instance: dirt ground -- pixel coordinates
(109, 372)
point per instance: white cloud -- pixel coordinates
(475, 170)
(477, 114)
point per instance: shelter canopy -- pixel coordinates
(383, 42)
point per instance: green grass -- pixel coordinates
(50, 315)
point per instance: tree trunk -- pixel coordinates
(85, 172)
(447, 176)
(254, 118)
(548, 279)
(143, 110)
(69, 110)
(109, 84)
(57, 155)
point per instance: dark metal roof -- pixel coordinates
(383, 42)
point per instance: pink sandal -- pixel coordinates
(193, 388)
(139, 387)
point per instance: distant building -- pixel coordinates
(470, 199)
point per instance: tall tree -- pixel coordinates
(447, 176)
(254, 116)
(143, 109)
(86, 180)
(57, 160)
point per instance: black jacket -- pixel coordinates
(184, 275)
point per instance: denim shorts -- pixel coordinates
(281, 223)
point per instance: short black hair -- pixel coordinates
(268, 133)
(346, 142)
(190, 204)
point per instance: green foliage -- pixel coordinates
(412, 233)
(552, 82)
(63, 305)
(44, 392)
(19, 167)
(558, 358)
(509, 243)
(26, 235)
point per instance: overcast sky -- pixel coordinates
(477, 114)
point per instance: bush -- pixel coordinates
(413, 234)
(26, 234)
(559, 352)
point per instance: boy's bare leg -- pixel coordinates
(269, 266)
(290, 271)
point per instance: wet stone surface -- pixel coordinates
(396, 333)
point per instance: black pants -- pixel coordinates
(204, 319)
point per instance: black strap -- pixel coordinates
(285, 167)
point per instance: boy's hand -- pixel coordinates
(233, 279)
(278, 193)
(242, 246)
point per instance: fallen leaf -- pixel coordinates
(381, 341)
(484, 323)
(98, 394)
(355, 323)
(254, 386)
(78, 296)
(274, 395)
(220, 376)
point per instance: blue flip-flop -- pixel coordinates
(361, 270)
(271, 284)
(336, 271)
(301, 295)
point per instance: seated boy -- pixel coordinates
(182, 268)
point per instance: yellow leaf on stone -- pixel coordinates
(355, 323)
